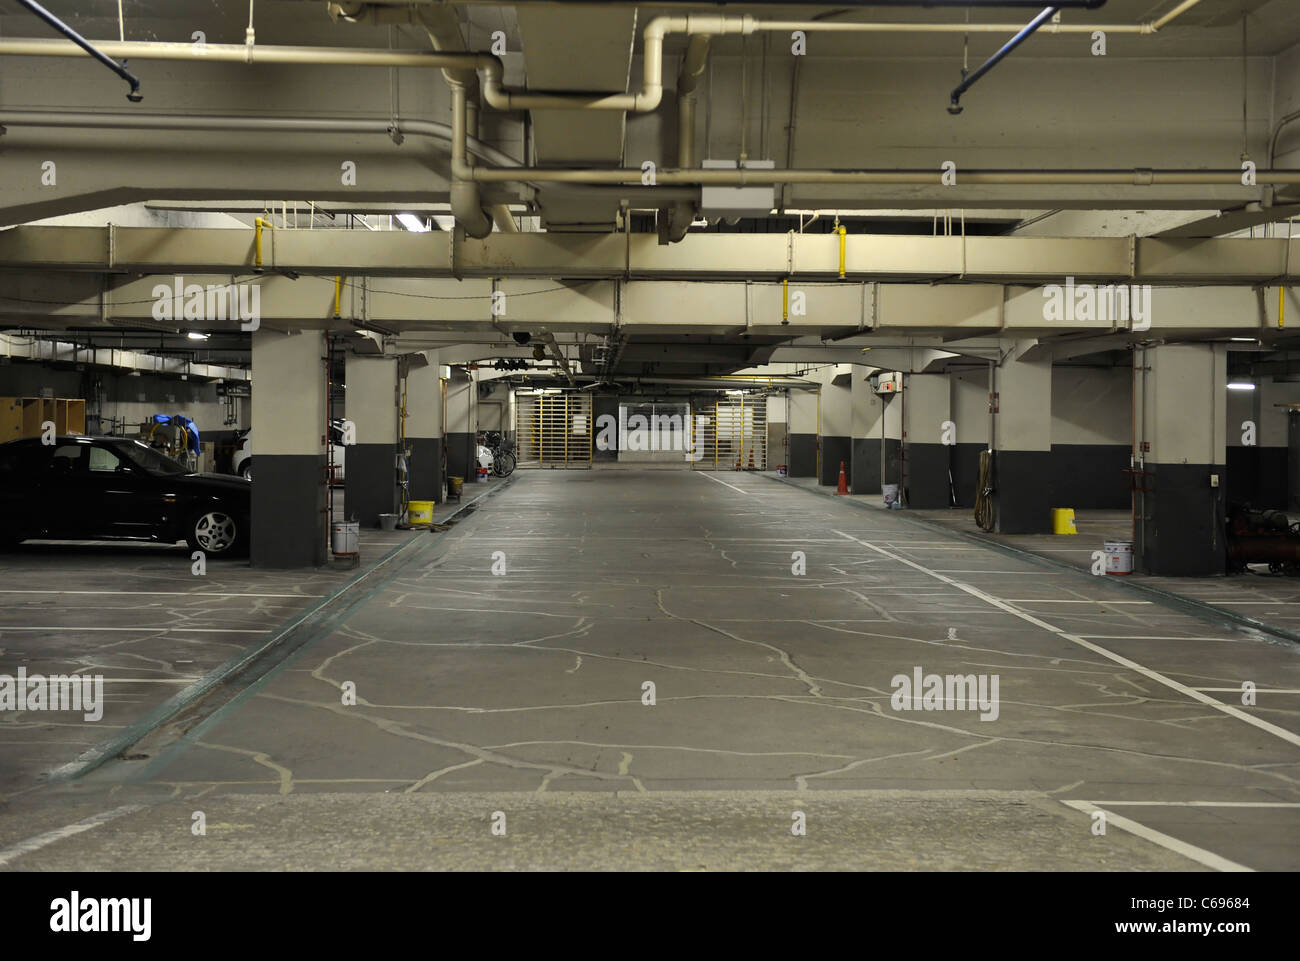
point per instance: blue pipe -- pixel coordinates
(135, 96)
(967, 82)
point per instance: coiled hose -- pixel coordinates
(984, 492)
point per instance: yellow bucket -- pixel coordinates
(1063, 520)
(419, 512)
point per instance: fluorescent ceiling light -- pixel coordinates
(196, 335)
(1244, 340)
(1239, 385)
(415, 224)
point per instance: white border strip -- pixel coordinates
(1190, 851)
(1289, 736)
(58, 834)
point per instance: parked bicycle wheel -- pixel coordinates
(503, 464)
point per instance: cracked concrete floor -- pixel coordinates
(475, 692)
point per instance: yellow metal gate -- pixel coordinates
(730, 434)
(553, 428)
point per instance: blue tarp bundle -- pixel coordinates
(191, 430)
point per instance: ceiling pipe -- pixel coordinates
(503, 218)
(720, 383)
(558, 355)
(954, 104)
(466, 201)
(132, 80)
(652, 84)
(250, 53)
(680, 215)
(743, 176)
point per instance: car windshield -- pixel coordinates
(142, 455)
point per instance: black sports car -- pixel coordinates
(93, 488)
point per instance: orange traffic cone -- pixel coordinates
(844, 481)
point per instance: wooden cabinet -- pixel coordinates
(23, 416)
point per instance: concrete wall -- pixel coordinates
(1091, 436)
(1258, 474)
(129, 399)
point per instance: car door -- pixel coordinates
(24, 490)
(129, 500)
(59, 498)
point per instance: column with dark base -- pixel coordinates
(288, 433)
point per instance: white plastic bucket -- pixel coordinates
(1119, 557)
(344, 537)
(891, 494)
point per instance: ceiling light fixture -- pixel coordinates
(416, 225)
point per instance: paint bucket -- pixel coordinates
(1063, 520)
(387, 522)
(419, 513)
(780, 470)
(891, 494)
(454, 485)
(344, 537)
(1119, 557)
(482, 475)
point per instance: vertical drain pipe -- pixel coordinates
(466, 202)
(466, 198)
(682, 213)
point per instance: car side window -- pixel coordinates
(104, 460)
(65, 460)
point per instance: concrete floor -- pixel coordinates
(138, 615)
(522, 693)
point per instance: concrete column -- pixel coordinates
(929, 438)
(1183, 415)
(778, 406)
(867, 411)
(371, 466)
(424, 430)
(802, 433)
(836, 427)
(288, 424)
(969, 399)
(1022, 439)
(461, 424)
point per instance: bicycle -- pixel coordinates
(503, 454)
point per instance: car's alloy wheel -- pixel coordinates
(215, 532)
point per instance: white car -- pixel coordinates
(241, 461)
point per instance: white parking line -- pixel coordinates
(58, 834)
(1199, 855)
(1260, 690)
(170, 630)
(1289, 736)
(1201, 804)
(722, 482)
(167, 593)
(1044, 600)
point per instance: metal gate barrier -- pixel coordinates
(730, 434)
(553, 428)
